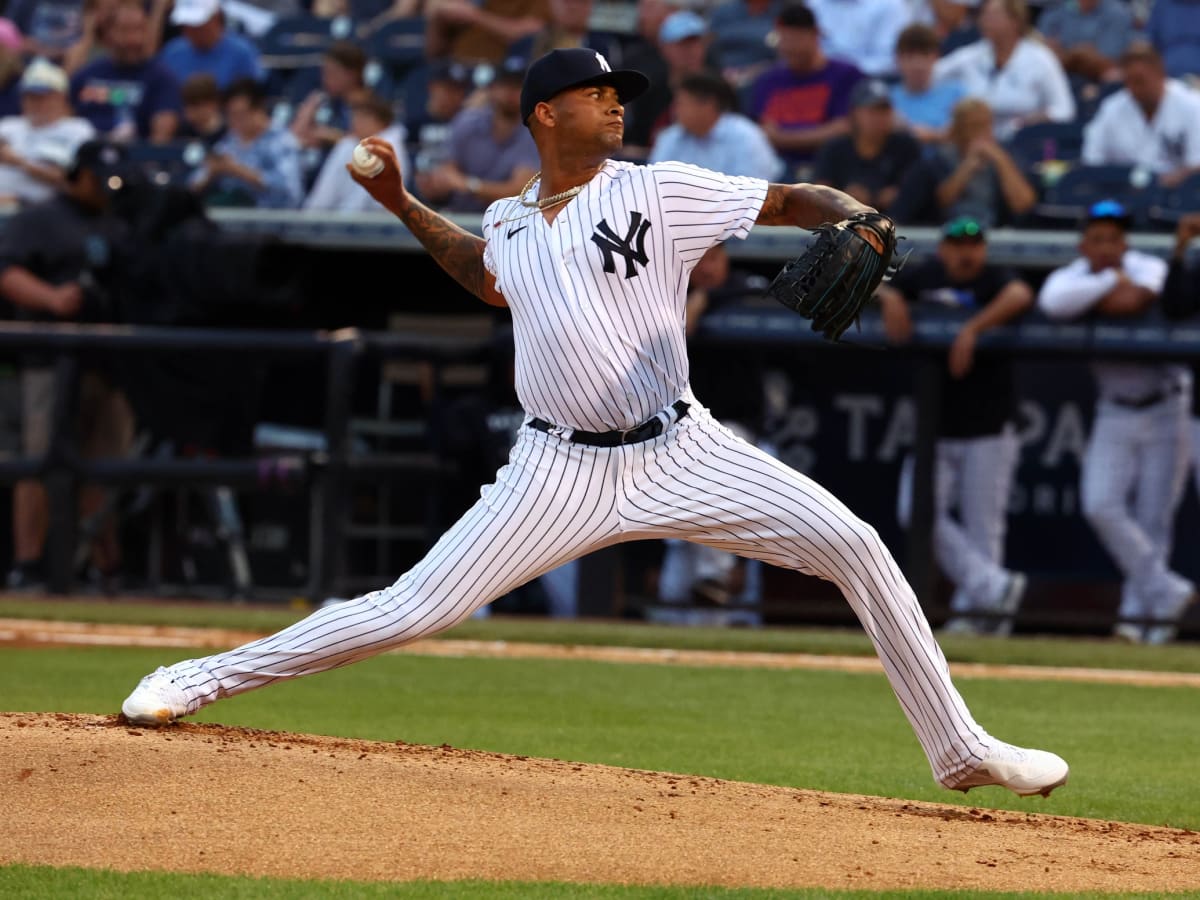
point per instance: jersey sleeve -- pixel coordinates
(701, 207)
(1146, 271)
(491, 216)
(1071, 291)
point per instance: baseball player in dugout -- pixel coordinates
(977, 448)
(592, 259)
(1136, 459)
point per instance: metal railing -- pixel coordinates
(326, 474)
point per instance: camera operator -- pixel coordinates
(56, 264)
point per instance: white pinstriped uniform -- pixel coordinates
(598, 350)
(1135, 465)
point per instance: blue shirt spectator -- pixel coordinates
(923, 105)
(255, 164)
(707, 134)
(862, 32)
(1174, 29)
(205, 46)
(492, 154)
(1089, 36)
(128, 95)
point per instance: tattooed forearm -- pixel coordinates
(807, 205)
(455, 249)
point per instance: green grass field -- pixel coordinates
(1132, 749)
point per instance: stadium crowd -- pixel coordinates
(929, 109)
(957, 114)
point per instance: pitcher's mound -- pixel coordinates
(93, 791)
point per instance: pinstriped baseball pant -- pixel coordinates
(555, 501)
(1134, 472)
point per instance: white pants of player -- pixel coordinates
(972, 481)
(555, 501)
(1134, 470)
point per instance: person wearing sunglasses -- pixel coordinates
(977, 446)
(1135, 463)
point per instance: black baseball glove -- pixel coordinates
(833, 279)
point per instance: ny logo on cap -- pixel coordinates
(603, 62)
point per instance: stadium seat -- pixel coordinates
(1168, 205)
(296, 41)
(398, 46)
(1043, 141)
(1067, 199)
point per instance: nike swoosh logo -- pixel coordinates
(513, 231)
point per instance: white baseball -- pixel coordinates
(366, 163)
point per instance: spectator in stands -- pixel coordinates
(870, 162)
(1089, 36)
(128, 95)
(742, 37)
(970, 174)
(205, 45)
(954, 23)
(1174, 29)
(55, 265)
(93, 39)
(257, 163)
(977, 447)
(474, 33)
(1136, 459)
(1021, 79)
(803, 101)
(334, 189)
(862, 32)
(38, 146)
(49, 26)
(708, 133)
(324, 116)
(683, 41)
(448, 87)
(11, 66)
(203, 118)
(492, 152)
(923, 105)
(1154, 122)
(569, 26)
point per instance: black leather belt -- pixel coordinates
(651, 428)
(1149, 400)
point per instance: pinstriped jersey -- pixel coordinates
(597, 296)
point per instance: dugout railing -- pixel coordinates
(325, 474)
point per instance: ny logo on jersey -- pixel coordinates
(608, 242)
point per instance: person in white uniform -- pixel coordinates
(1153, 122)
(1136, 460)
(592, 258)
(977, 447)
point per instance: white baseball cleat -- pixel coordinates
(1024, 772)
(156, 700)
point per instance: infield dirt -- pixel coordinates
(93, 791)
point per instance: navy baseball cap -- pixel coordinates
(109, 161)
(561, 70)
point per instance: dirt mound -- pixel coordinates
(92, 791)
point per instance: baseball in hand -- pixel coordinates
(366, 163)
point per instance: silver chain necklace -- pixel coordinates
(536, 206)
